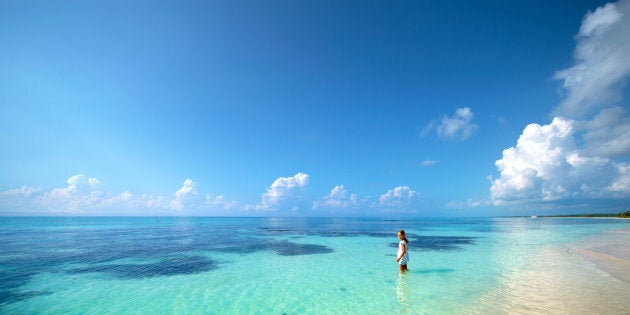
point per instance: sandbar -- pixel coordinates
(610, 253)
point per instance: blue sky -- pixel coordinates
(309, 108)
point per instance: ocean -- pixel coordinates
(197, 265)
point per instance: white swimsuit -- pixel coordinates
(405, 258)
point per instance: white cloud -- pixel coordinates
(184, 197)
(602, 62)
(281, 189)
(150, 201)
(24, 191)
(338, 198)
(621, 185)
(600, 20)
(220, 202)
(427, 163)
(580, 154)
(83, 195)
(547, 165)
(15, 199)
(608, 134)
(459, 127)
(125, 199)
(399, 196)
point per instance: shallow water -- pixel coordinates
(52, 265)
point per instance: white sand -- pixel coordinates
(610, 253)
(591, 277)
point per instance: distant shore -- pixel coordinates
(624, 215)
(621, 215)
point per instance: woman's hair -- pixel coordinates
(404, 236)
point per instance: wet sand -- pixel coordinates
(610, 253)
(588, 277)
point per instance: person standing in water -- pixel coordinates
(403, 251)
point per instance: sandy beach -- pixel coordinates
(591, 276)
(610, 253)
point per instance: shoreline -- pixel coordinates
(609, 252)
(584, 277)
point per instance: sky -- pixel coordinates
(314, 108)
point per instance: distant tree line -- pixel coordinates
(592, 215)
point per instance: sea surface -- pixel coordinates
(190, 265)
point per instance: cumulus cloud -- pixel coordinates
(547, 164)
(399, 196)
(338, 198)
(83, 195)
(220, 202)
(18, 197)
(280, 189)
(184, 197)
(459, 127)
(602, 66)
(580, 154)
(24, 191)
(80, 193)
(608, 134)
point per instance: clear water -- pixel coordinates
(139, 265)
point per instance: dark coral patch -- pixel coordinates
(293, 249)
(283, 248)
(168, 267)
(438, 243)
(14, 296)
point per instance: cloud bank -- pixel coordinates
(582, 154)
(84, 195)
(548, 165)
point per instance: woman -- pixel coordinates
(403, 252)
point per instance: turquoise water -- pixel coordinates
(139, 265)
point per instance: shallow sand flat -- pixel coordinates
(610, 252)
(610, 263)
(584, 278)
(558, 282)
